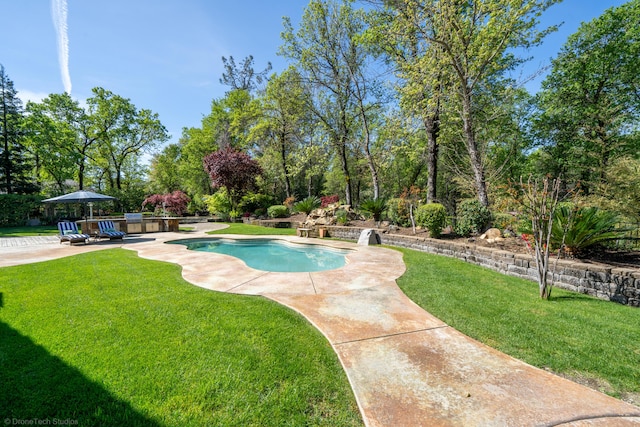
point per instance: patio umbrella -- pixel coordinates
(81, 196)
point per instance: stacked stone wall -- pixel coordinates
(606, 282)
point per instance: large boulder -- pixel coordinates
(368, 237)
(327, 216)
(492, 235)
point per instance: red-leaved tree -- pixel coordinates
(234, 170)
(175, 202)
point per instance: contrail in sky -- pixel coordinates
(59, 15)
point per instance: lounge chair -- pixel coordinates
(69, 233)
(108, 229)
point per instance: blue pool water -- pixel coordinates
(272, 255)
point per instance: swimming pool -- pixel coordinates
(272, 254)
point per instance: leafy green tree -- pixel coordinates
(394, 32)
(48, 140)
(284, 120)
(163, 174)
(229, 124)
(323, 49)
(126, 132)
(618, 192)
(589, 105)
(15, 165)
(472, 44)
(74, 134)
(195, 144)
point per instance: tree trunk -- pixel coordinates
(118, 177)
(472, 148)
(81, 175)
(345, 169)
(6, 160)
(372, 168)
(432, 128)
(285, 168)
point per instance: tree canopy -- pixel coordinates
(405, 99)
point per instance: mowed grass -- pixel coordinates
(38, 230)
(257, 230)
(108, 338)
(590, 340)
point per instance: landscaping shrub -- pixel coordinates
(252, 202)
(15, 209)
(278, 211)
(307, 205)
(505, 221)
(218, 203)
(398, 212)
(375, 208)
(472, 217)
(341, 217)
(587, 228)
(433, 217)
(329, 200)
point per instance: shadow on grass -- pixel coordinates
(572, 298)
(38, 385)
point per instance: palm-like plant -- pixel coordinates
(307, 205)
(374, 207)
(585, 228)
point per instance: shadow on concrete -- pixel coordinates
(38, 385)
(126, 240)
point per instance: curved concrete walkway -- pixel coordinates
(406, 367)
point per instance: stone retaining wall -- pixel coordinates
(621, 285)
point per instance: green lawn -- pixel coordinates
(39, 230)
(241, 228)
(108, 338)
(582, 337)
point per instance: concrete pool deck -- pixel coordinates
(406, 367)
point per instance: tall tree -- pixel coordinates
(420, 85)
(327, 54)
(474, 40)
(14, 164)
(590, 102)
(283, 120)
(228, 124)
(76, 135)
(164, 176)
(125, 132)
(51, 140)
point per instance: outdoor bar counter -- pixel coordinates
(131, 224)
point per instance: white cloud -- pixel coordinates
(59, 16)
(27, 95)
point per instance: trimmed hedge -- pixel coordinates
(278, 211)
(15, 209)
(433, 217)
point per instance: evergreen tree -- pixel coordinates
(14, 163)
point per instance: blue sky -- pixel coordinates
(165, 55)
